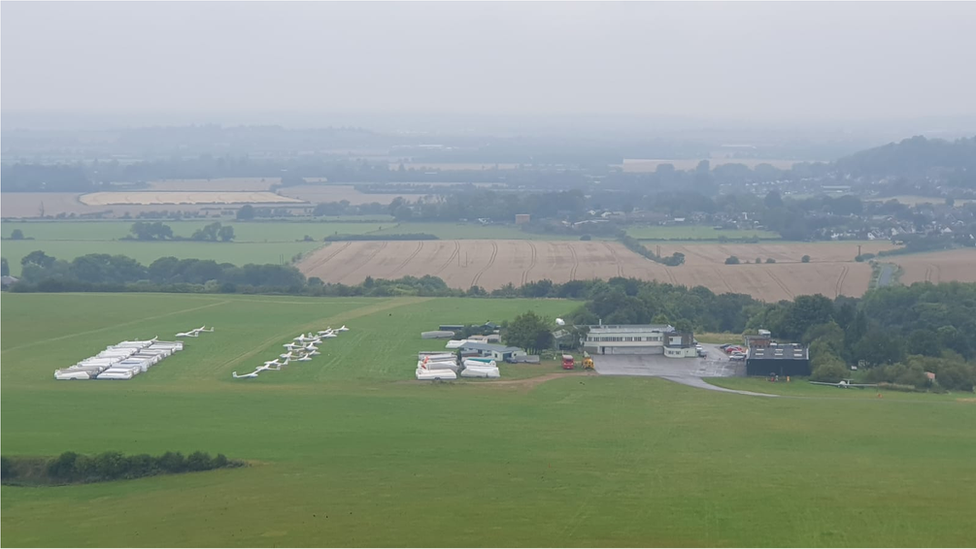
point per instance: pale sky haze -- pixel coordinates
(765, 61)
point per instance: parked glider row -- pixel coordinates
(301, 349)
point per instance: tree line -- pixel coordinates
(72, 468)
(157, 230)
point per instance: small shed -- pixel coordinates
(495, 351)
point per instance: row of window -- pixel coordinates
(625, 338)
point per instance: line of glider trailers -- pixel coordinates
(127, 359)
(124, 360)
(302, 348)
(433, 366)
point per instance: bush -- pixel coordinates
(6, 468)
(831, 371)
(586, 238)
(732, 260)
(110, 465)
(864, 257)
(770, 260)
(171, 462)
(63, 467)
(758, 261)
(198, 461)
(805, 259)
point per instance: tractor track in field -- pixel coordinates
(491, 261)
(840, 280)
(376, 252)
(420, 246)
(572, 272)
(532, 262)
(116, 326)
(938, 274)
(326, 259)
(616, 260)
(779, 282)
(454, 254)
(674, 280)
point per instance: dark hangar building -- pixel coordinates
(790, 359)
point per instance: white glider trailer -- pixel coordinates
(437, 334)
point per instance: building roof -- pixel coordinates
(788, 351)
(489, 347)
(630, 328)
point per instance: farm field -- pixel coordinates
(178, 198)
(244, 231)
(959, 265)
(648, 165)
(450, 166)
(238, 253)
(316, 194)
(577, 461)
(782, 251)
(216, 184)
(695, 232)
(467, 231)
(493, 263)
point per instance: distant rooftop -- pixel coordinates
(630, 328)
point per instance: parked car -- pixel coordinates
(737, 357)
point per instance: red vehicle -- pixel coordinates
(568, 362)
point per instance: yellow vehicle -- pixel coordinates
(587, 363)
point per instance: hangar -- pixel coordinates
(785, 359)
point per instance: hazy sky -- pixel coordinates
(763, 61)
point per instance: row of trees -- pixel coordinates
(38, 269)
(71, 467)
(634, 245)
(157, 230)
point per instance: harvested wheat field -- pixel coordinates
(954, 265)
(493, 263)
(780, 251)
(152, 198)
(336, 193)
(26, 205)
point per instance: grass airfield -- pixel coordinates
(346, 450)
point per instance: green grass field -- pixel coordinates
(346, 450)
(238, 253)
(281, 231)
(695, 232)
(464, 231)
